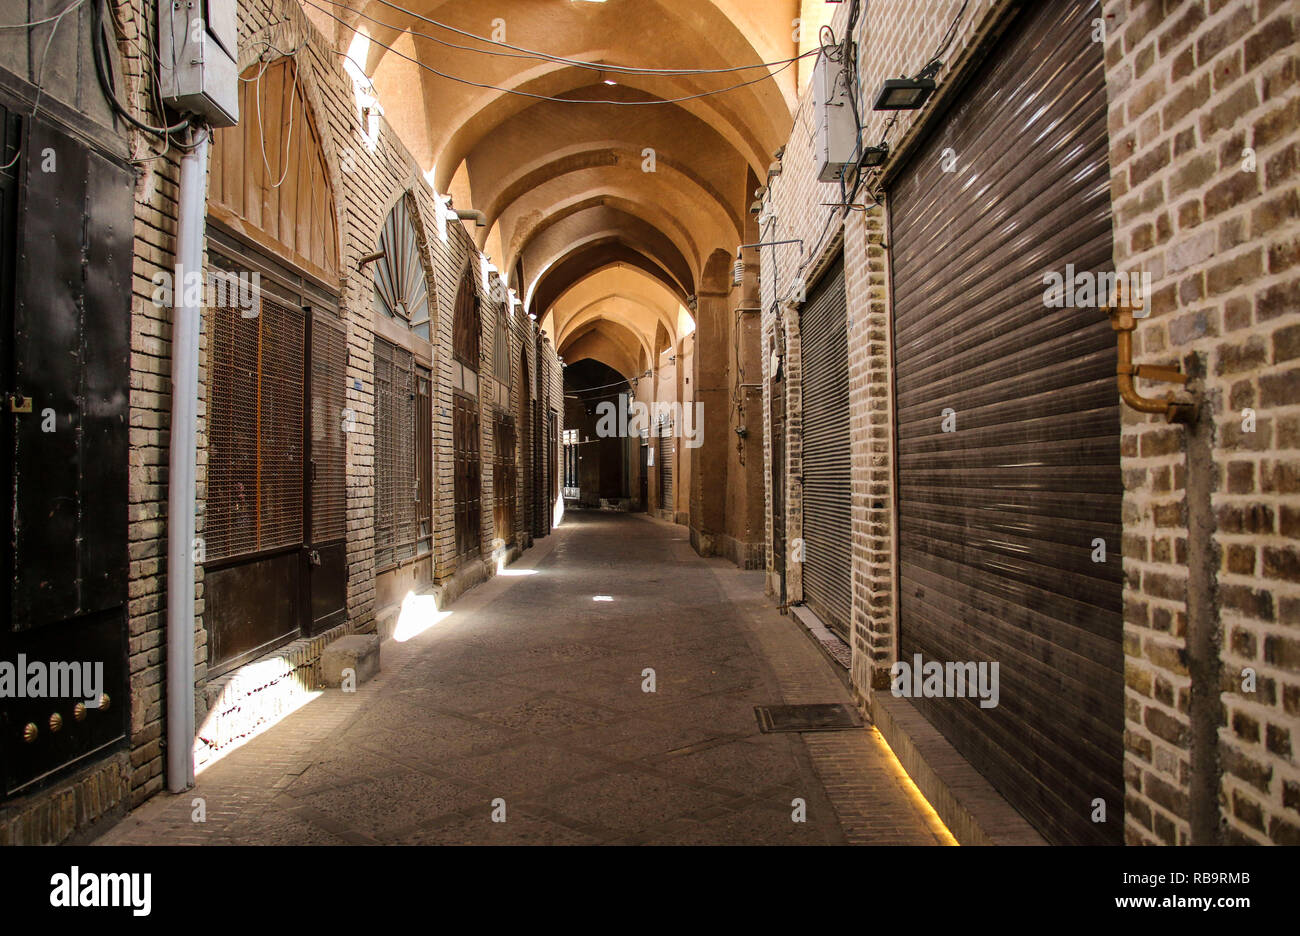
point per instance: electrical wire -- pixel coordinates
(544, 97)
(522, 52)
(944, 43)
(99, 46)
(261, 129)
(42, 22)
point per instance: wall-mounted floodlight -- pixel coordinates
(904, 93)
(874, 155)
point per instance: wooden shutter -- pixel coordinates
(997, 518)
(396, 525)
(467, 481)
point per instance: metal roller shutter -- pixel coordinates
(997, 517)
(666, 466)
(827, 534)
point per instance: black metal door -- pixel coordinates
(65, 288)
(645, 475)
(1008, 425)
(666, 501)
(827, 535)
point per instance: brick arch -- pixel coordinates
(298, 218)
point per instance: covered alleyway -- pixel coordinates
(530, 690)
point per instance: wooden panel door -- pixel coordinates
(468, 487)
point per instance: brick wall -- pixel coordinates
(889, 46)
(1192, 86)
(367, 181)
(1192, 90)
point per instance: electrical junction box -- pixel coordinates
(836, 134)
(198, 59)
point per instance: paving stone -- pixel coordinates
(531, 692)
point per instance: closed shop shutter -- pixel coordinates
(467, 482)
(397, 529)
(328, 438)
(665, 466)
(998, 515)
(255, 435)
(827, 533)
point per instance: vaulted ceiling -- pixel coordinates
(606, 192)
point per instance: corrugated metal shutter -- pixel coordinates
(665, 466)
(827, 533)
(997, 519)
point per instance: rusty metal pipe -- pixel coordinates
(1126, 373)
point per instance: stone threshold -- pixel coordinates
(969, 806)
(829, 643)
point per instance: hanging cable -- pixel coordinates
(261, 129)
(544, 97)
(522, 52)
(100, 49)
(48, 19)
(931, 68)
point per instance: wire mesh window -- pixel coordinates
(255, 430)
(396, 490)
(401, 287)
(328, 439)
(467, 327)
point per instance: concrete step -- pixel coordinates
(356, 652)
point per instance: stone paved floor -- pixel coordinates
(530, 692)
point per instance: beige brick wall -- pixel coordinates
(364, 192)
(890, 46)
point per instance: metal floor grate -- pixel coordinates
(836, 716)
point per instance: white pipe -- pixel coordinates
(186, 314)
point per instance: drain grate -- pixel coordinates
(836, 716)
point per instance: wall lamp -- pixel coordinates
(874, 155)
(904, 93)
